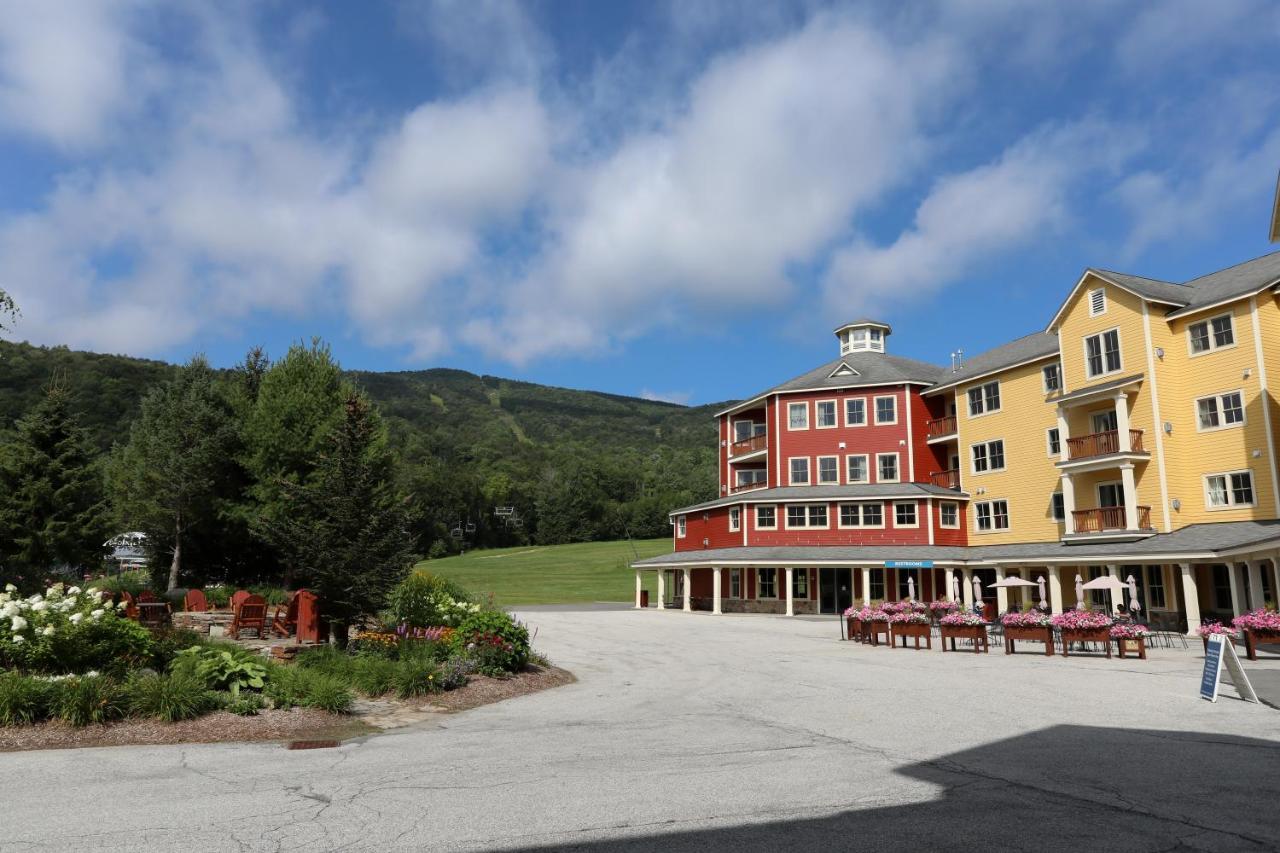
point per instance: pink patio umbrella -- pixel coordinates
(1107, 582)
(1013, 582)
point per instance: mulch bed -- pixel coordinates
(483, 690)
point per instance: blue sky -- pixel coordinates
(678, 200)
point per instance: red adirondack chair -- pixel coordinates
(238, 597)
(153, 614)
(146, 595)
(251, 615)
(285, 621)
(130, 607)
(195, 602)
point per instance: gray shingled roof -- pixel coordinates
(1200, 541)
(1100, 387)
(815, 493)
(873, 368)
(1033, 346)
(1149, 288)
(1240, 280)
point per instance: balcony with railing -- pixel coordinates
(747, 446)
(1102, 444)
(749, 485)
(939, 428)
(945, 479)
(1107, 519)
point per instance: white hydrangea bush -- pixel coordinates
(67, 629)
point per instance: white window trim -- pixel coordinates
(1103, 291)
(1044, 376)
(732, 574)
(818, 481)
(1048, 442)
(1230, 504)
(1244, 411)
(897, 467)
(773, 597)
(876, 408)
(760, 526)
(985, 411)
(808, 468)
(791, 428)
(991, 503)
(916, 512)
(735, 528)
(865, 419)
(835, 421)
(786, 518)
(682, 527)
(987, 444)
(1213, 347)
(866, 466)
(1097, 491)
(840, 525)
(1084, 345)
(944, 525)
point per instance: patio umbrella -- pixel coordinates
(1010, 582)
(977, 590)
(1108, 582)
(1079, 593)
(911, 589)
(955, 588)
(1133, 595)
(1044, 603)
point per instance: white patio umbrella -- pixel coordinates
(1133, 594)
(1079, 593)
(911, 588)
(977, 590)
(1010, 582)
(1044, 603)
(1107, 582)
(955, 589)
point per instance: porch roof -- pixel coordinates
(810, 494)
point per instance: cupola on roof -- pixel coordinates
(863, 335)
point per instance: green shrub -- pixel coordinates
(423, 600)
(82, 700)
(133, 582)
(218, 595)
(273, 595)
(328, 659)
(496, 642)
(166, 643)
(222, 668)
(68, 630)
(24, 699)
(454, 672)
(285, 686)
(246, 705)
(415, 679)
(374, 676)
(168, 698)
(326, 693)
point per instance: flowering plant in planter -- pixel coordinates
(852, 612)
(908, 617)
(1130, 631)
(962, 617)
(1030, 619)
(873, 614)
(1262, 621)
(1208, 629)
(942, 608)
(1082, 620)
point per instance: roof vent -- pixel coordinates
(957, 360)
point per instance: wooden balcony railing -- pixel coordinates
(946, 479)
(1102, 444)
(749, 445)
(939, 427)
(746, 487)
(1107, 518)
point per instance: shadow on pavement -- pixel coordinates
(1064, 788)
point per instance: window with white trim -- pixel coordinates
(1155, 587)
(1228, 490)
(904, 514)
(856, 468)
(766, 583)
(800, 583)
(1212, 334)
(949, 514)
(681, 526)
(862, 515)
(1097, 302)
(766, 517)
(1057, 508)
(735, 519)
(799, 471)
(985, 398)
(797, 416)
(1051, 376)
(735, 583)
(886, 467)
(855, 412)
(1102, 353)
(828, 470)
(991, 515)
(1220, 411)
(988, 456)
(747, 476)
(886, 410)
(824, 414)
(1054, 441)
(806, 515)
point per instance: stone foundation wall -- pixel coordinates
(740, 605)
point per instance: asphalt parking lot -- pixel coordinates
(689, 731)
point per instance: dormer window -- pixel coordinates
(862, 336)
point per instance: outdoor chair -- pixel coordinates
(285, 621)
(238, 597)
(153, 614)
(130, 607)
(146, 595)
(251, 615)
(195, 602)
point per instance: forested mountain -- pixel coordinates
(574, 465)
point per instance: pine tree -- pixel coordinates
(52, 511)
(346, 529)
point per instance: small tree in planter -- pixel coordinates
(1033, 625)
(1084, 626)
(1257, 626)
(963, 625)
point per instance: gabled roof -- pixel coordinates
(870, 368)
(1033, 347)
(1150, 289)
(1232, 283)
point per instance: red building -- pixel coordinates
(839, 456)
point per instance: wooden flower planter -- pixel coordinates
(975, 633)
(1205, 642)
(854, 628)
(1132, 646)
(1251, 640)
(1085, 635)
(872, 631)
(912, 630)
(1043, 634)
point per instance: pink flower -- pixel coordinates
(1210, 628)
(1129, 631)
(1077, 620)
(1030, 619)
(1260, 620)
(962, 617)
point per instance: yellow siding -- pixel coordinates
(1030, 478)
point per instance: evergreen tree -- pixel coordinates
(346, 529)
(52, 511)
(170, 476)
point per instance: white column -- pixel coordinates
(1275, 572)
(716, 590)
(1190, 597)
(949, 580)
(1002, 594)
(688, 601)
(1130, 496)
(1055, 588)
(1233, 578)
(1063, 434)
(1068, 502)
(662, 589)
(1255, 584)
(866, 586)
(1122, 422)
(639, 587)
(967, 590)
(791, 592)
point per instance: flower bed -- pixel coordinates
(1131, 637)
(964, 625)
(1257, 626)
(1033, 625)
(1083, 626)
(1208, 629)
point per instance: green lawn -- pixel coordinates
(553, 574)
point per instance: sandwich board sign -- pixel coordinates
(1220, 651)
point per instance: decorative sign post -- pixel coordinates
(1218, 651)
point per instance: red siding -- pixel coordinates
(950, 536)
(834, 535)
(870, 439)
